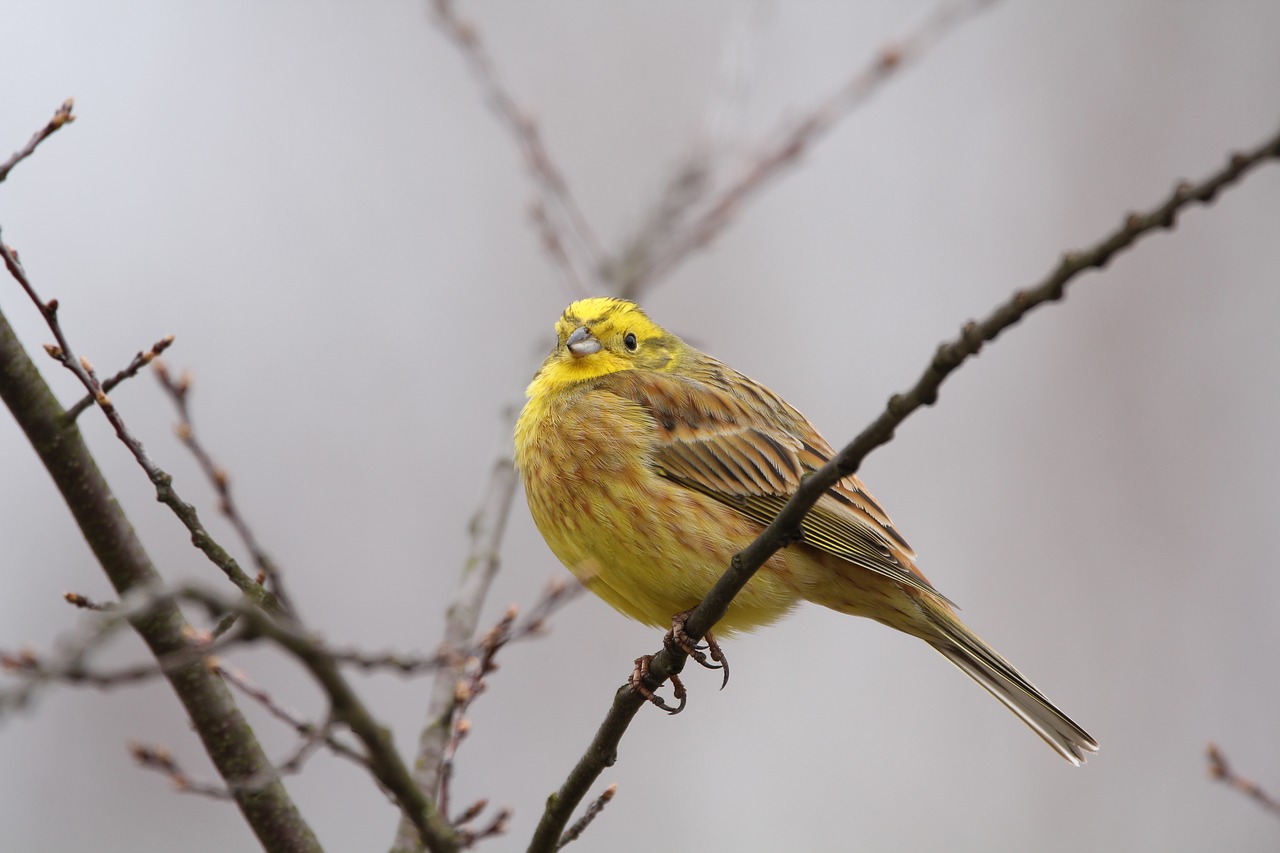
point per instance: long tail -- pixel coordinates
(981, 663)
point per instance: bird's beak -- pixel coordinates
(581, 343)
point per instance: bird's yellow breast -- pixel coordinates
(646, 545)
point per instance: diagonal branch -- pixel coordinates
(1221, 769)
(657, 261)
(62, 116)
(785, 528)
(163, 482)
(551, 183)
(141, 360)
(268, 571)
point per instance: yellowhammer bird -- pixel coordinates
(648, 465)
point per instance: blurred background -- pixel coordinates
(315, 199)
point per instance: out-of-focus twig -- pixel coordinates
(466, 690)
(161, 760)
(75, 599)
(313, 736)
(582, 257)
(798, 137)
(785, 527)
(141, 360)
(716, 142)
(553, 243)
(62, 116)
(593, 811)
(1221, 770)
(487, 527)
(70, 664)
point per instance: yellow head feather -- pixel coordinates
(599, 336)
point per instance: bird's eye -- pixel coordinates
(629, 341)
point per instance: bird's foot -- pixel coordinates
(636, 682)
(677, 637)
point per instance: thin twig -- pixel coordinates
(471, 682)
(162, 481)
(1222, 771)
(62, 116)
(547, 177)
(487, 527)
(75, 599)
(140, 361)
(161, 760)
(792, 142)
(346, 708)
(785, 528)
(553, 243)
(70, 665)
(593, 811)
(313, 736)
(268, 572)
(215, 718)
(693, 178)
(467, 689)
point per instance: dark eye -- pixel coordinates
(629, 341)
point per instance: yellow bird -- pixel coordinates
(648, 465)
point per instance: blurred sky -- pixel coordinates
(315, 200)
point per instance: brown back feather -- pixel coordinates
(721, 434)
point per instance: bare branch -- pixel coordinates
(553, 243)
(346, 708)
(466, 690)
(268, 572)
(161, 760)
(162, 481)
(61, 117)
(226, 736)
(785, 528)
(313, 736)
(524, 128)
(794, 141)
(487, 527)
(140, 361)
(593, 811)
(1222, 771)
(75, 599)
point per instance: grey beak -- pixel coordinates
(581, 343)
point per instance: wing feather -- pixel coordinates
(749, 450)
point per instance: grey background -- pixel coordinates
(315, 200)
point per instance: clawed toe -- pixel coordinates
(677, 637)
(636, 682)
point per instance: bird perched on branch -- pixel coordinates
(648, 465)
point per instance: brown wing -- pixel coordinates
(733, 440)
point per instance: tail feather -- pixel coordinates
(981, 663)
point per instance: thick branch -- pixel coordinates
(785, 528)
(226, 735)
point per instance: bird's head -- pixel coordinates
(599, 336)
